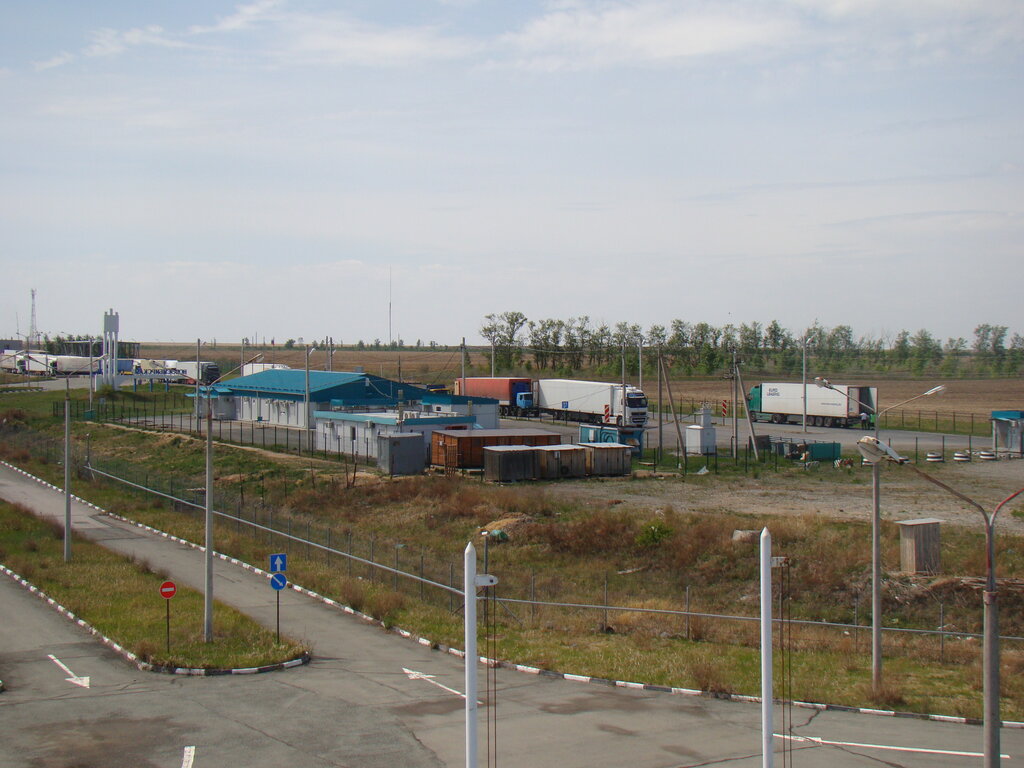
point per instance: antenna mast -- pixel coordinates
(33, 342)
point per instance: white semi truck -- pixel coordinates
(594, 401)
(839, 405)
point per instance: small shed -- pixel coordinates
(1008, 431)
(464, 448)
(510, 463)
(400, 453)
(608, 459)
(610, 433)
(555, 461)
(919, 545)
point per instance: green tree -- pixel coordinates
(504, 331)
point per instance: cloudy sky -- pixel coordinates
(283, 167)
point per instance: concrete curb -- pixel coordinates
(535, 670)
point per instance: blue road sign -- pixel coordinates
(279, 563)
(278, 581)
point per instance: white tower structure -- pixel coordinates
(111, 325)
(32, 343)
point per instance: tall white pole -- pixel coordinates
(469, 593)
(208, 592)
(767, 695)
(67, 474)
(876, 578)
(804, 422)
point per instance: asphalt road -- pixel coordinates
(355, 706)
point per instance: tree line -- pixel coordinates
(568, 346)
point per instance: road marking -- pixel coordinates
(188, 757)
(886, 747)
(80, 681)
(413, 675)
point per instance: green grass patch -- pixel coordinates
(128, 607)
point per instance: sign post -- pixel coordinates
(278, 564)
(278, 582)
(167, 590)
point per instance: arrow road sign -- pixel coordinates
(278, 581)
(168, 590)
(279, 563)
(80, 681)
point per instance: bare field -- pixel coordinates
(840, 494)
(977, 396)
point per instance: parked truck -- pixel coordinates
(514, 396)
(597, 402)
(841, 405)
(206, 372)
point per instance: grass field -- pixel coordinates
(129, 609)
(648, 539)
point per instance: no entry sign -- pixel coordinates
(168, 590)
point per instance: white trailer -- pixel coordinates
(838, 406)
(73, 365)
(250, 368)
(598, 402)
(37, 362)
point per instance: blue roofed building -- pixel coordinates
(348, 412)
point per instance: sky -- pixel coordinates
(399, 169)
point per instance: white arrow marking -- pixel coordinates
(430, 679)
(82, 681)
(188, 758)
(887, 747)
(277, 563)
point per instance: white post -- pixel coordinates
(67, 474)
(804, 422)
(469, 594)
(767, 727)
(208, 590)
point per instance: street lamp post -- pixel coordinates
(876, 452)
(208, 540)
(876, 532)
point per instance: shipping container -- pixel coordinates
(510, 463)
(561, 461)
(608, 459)
(464, 448)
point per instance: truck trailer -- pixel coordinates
(598, 402)
(595, 402)
(206, 372)
(838, 406)
(514, 395)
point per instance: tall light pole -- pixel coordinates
(876, 452)
(208, 540)
(876, 533)
(67, 471)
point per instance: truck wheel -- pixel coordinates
(776, 418)
(618, 421)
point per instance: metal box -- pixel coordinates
(920, 550)
(510, 463)
(401, 453)
(608, 459)
(555, 461)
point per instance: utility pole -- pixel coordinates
(661, 444)
(463, 356)
(735, 407)
(67, 470)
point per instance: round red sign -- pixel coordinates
(167, 590)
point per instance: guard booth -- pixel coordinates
(1008, 432)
